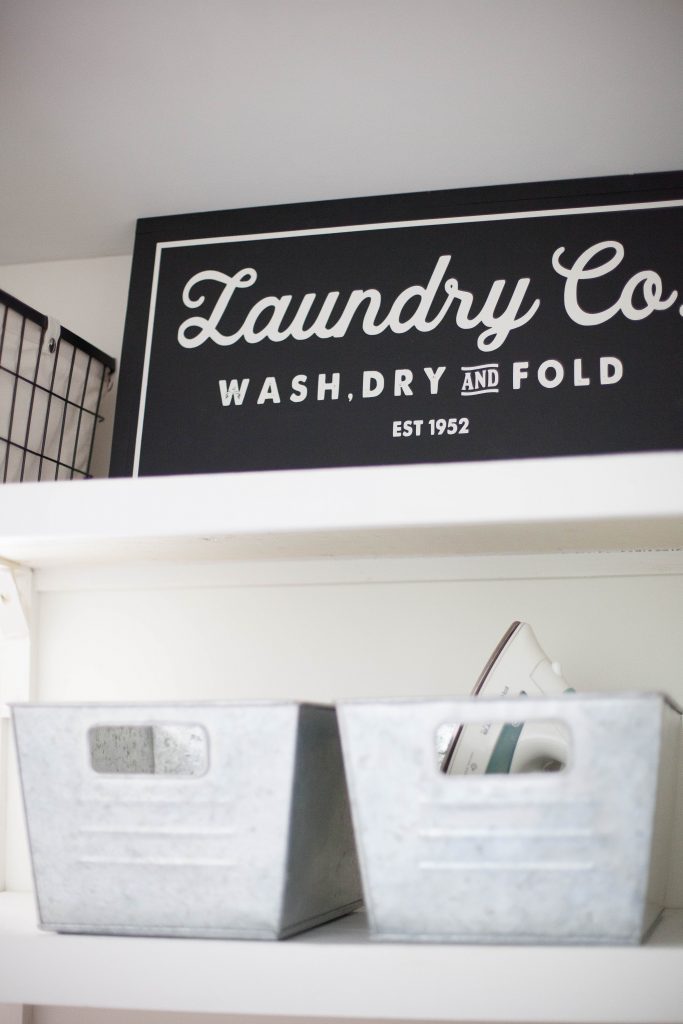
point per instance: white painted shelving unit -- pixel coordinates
(334, 584)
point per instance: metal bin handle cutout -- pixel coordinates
(151, 749)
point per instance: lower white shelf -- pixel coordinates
(335, 971)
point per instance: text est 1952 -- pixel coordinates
(432, 427)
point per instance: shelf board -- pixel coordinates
(335, 971)
(534, 506)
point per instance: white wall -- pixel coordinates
(207, 639)
(133, 108)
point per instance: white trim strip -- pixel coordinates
(428, 222)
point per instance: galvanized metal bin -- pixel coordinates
(217, 820)
(575, 856)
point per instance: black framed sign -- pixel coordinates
(495, 323)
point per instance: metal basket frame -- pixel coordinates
(54, 340)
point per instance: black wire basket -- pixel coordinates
(51, 386)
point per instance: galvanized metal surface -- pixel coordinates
(577, 856)
(216, 820)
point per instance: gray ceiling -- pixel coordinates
(116, 109)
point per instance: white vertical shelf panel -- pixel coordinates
(17, 636)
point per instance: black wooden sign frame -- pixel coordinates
(496, 323)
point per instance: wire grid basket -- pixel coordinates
(51, 385)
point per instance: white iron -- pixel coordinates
(518, 667)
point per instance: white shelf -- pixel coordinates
(577, 504)
(336, 971)
(557, 517)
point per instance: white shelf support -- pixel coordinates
(16, 592)
(13, 614)
(16, 603)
